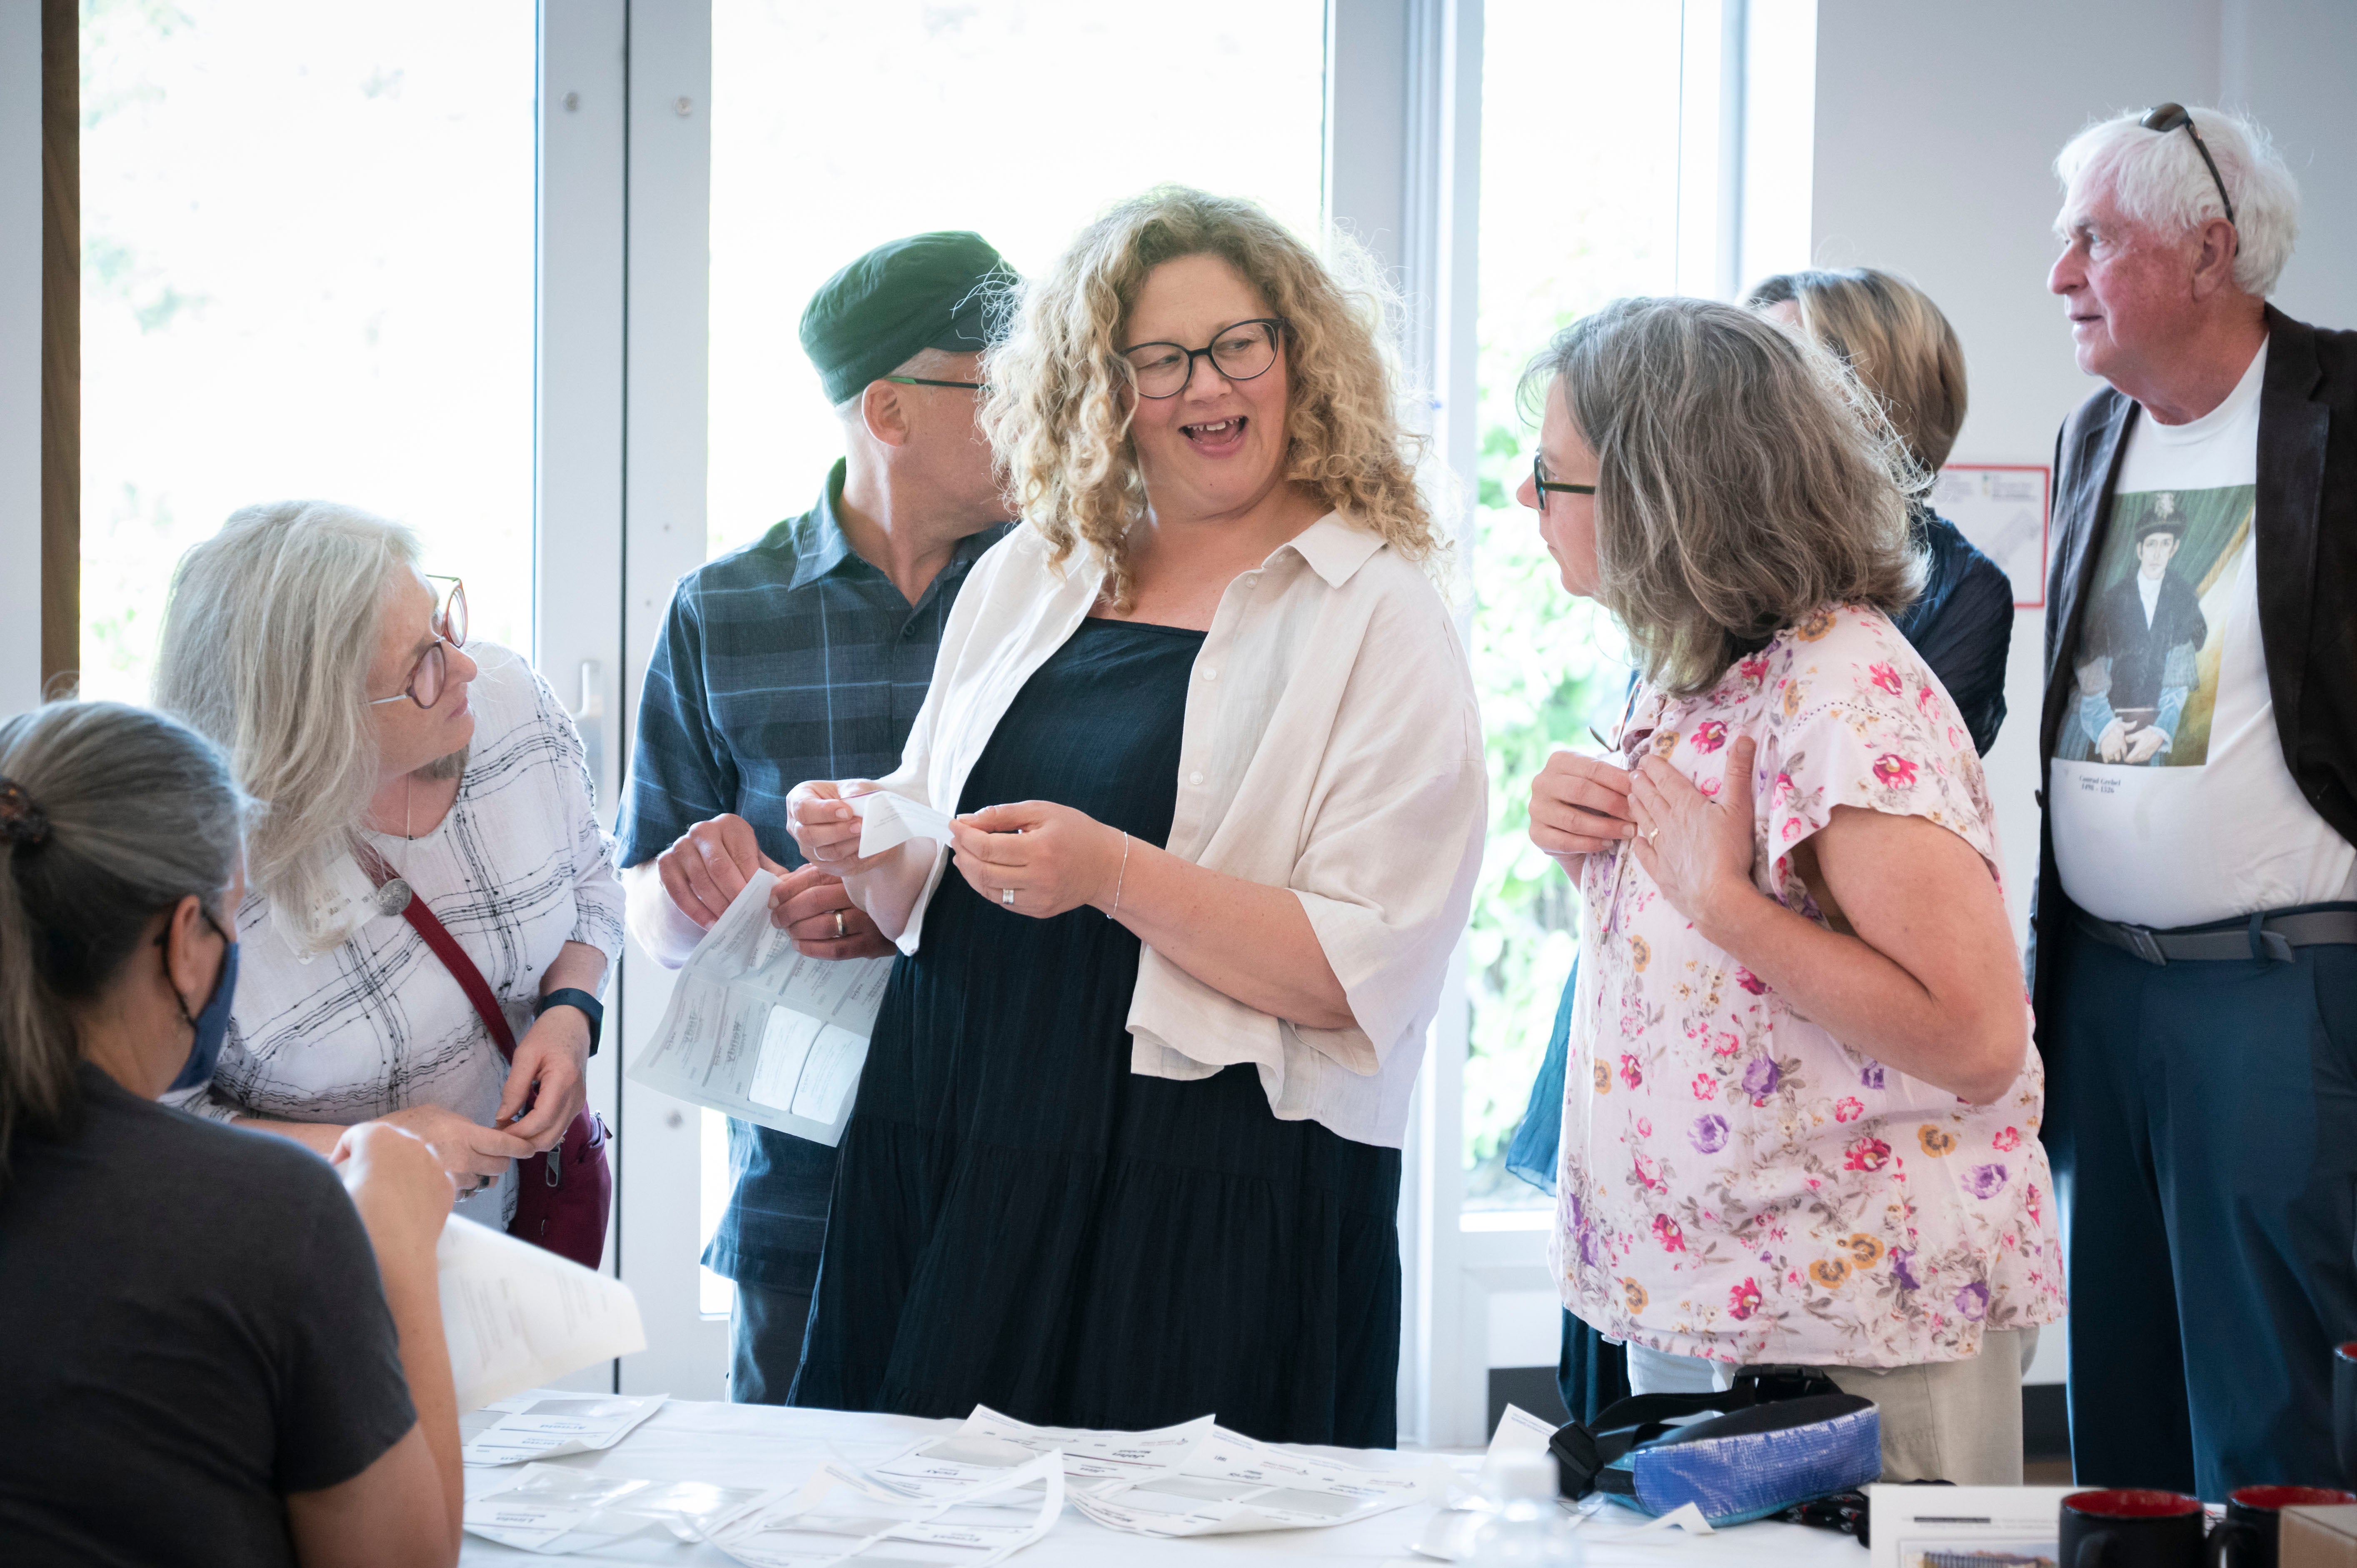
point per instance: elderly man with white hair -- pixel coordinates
(2195, 943)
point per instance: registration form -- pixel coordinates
(989, 1444)
(516, 1316)
(761, 1032)
(841, 1516)
(1232, 1484)
(555, 1427)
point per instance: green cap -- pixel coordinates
(928, 291)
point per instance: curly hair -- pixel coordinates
(1745, 481)
(1055, 413)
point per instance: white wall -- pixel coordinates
(20, 355)
(1936, 128)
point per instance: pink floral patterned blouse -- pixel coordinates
(1735, 1183)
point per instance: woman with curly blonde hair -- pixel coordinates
(1126, 1147)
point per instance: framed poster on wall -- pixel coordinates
(2002, 508)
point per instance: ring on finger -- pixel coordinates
(1651, 835)
(839, 933)
(1007, 897)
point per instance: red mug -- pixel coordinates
(2248, 1534)
(2129, 1528)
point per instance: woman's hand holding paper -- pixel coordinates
(826, 827)
(1050, 857)
(812, 905)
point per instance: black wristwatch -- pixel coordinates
(591, 1009)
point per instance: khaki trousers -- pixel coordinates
(1942, 1420)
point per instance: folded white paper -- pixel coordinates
(553, 1510)
(888, 820)
(552, 1427)
(989, 1444)
(517, 1316)
(759, 1031)
(841, 1516)
(1232, 1484)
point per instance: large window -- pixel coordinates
(836, 127)
(306, 272)
(1579, 205)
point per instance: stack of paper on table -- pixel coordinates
(989, 1444)
(1232, 1484)
(841, 1516)
(559, 1424)
(517, 1316)
(550, 1508)
(759, 1031)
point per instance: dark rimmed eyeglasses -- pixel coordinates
(2167, 117)
(1241, 351)
(432, 670)
(922, 381)
(1541, 483)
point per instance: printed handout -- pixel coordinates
(1964, 1527)
(552, 1510)
(989, 1444)
(560, 1424)
(516, 1316)
(888, 820)
(1232, 1484)
(760, 1031)
(841, 1516)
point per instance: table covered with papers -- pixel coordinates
(697, 1484)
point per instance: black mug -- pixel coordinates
(2254, 1519)
(2133, 1528)
(2344, 1409)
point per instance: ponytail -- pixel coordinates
(109, 814)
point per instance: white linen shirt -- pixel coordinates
(1332, 745)
(517, 868)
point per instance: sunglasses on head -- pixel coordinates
(2167, 117)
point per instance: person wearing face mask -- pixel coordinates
(398, 761)
(213, 1350)
(1127, 1142)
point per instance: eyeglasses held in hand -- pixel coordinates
(1239, 351)
(2167, 117)
(432, 670)
(1540, 482)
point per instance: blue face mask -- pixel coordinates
(211, 1025)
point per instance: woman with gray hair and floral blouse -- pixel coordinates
(1801, 1122)
(305, 640)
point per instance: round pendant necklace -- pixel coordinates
(393, 896)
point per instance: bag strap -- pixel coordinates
(1586, 1453)
(426, 924)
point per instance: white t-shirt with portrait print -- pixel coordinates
(2171, 802)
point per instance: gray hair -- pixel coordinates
(1744, 481)
(268, 636)
(124, 813)
(2158, 179)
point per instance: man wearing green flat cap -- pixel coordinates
(806, 655)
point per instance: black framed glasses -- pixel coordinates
(2167, 117)
(924, 381)
(1240, 351)
(432, 670)
(1541, 483)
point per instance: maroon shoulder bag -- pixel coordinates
(563, 1197)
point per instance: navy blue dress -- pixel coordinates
(1021, 1221)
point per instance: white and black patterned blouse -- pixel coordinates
(518, 868)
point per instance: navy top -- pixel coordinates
(792, 659)
(1963, 626)
(1027, 1224)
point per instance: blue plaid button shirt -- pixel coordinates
(789, 660)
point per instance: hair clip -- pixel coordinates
(20, 820)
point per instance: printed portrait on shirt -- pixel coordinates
(2154, 629)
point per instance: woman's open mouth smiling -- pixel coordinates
(1217, 437)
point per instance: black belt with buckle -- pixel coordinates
(2257, 938)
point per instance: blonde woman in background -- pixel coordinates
(307, 641)
(1902, 350)
(1126, 1147)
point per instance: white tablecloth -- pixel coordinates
(768, 1445)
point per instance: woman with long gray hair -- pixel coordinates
(1801, 1122)
(394, 760)
(214, 1351)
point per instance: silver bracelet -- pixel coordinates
(1123, 877)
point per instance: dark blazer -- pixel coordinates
(2306, 531)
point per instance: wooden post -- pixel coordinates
(61, 345)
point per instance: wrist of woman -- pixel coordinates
(1114, 849)
(1726, 911)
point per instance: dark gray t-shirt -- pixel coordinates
(191, 1326)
